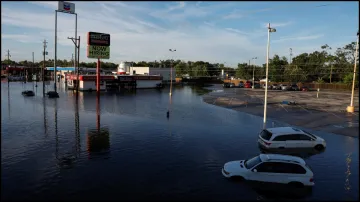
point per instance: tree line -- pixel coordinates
(320, 66)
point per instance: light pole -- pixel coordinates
(351, 107)
(267, 71)
(253, 71)
(171, 50)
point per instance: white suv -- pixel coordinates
(289, 137)
(272, 168)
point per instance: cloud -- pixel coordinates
(298, 38)
(144, 31)
(279, 24)
(236, 14)
(233, 15)
(237, 31)
(180, 5)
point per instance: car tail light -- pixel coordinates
(311, 179)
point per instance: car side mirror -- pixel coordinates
(254, 170)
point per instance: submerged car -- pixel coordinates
(28, 93)
(289, 137)
(271, 168)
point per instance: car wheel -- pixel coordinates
(319, 147)
(296, 184)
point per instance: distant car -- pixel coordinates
(304, 88)
(257, 85)
(271, 168)
(285, 87)
(226, 85)
(276, 87)
(264, 86)
(289, 137)
(248, 84)
(294, 87)
(232, 85)
(241, 84)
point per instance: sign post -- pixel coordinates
(64, 7)
(98, 47)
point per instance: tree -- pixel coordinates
(243, 72)
(276, 68)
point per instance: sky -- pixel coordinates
(218, 32)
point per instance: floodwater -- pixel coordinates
(62, 149)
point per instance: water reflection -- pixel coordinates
(272, 191)
(98, 140)
(45, 119)
(77, 127)
(300, 152)
(9, 100)
(348, 173)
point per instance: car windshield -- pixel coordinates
(252, 162)
(274, 84)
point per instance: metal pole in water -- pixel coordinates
(98, 77)
(78, 64)
(267, 72)
(55, 55)
(43, 69)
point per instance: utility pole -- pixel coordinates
(290, 55)
(8, 55)
(33, 62)
(43, 69)
(72, 59)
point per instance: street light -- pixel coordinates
(171, 50)
(253, 71)
(351, 107)
(267, 71)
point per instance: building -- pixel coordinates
(113, 82)
(151, 71)
(63, 71)
(88, 82)
(126, 68)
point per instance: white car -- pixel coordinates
(289, 137)
(271, 168)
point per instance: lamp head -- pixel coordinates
(272, 30)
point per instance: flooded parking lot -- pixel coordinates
(52, 149)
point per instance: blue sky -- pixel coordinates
(230, 32)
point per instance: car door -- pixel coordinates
(263, 172)
(279, 142)
(306, 141)
(291, 172)
(293, 141)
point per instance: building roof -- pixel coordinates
(281, 157)
(284, 130)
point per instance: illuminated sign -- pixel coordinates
(102, 52)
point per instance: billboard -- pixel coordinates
(102, 52)
(66, 7)
(98, 39)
